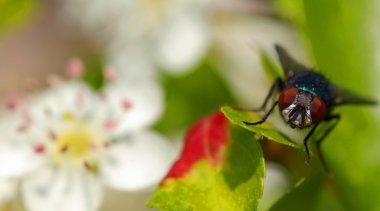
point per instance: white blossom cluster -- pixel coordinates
(62, 146)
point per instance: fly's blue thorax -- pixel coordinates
(313, 83)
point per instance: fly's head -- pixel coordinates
(300, 108)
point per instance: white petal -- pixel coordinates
(146, 104)
(7, 190)
(137, 162)
(16, 155)
(74, 97)
(17, 159)
(94, 17)
(61, 190)
(183, 42)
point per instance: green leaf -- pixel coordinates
(13, 13)
(236, 185)
(313, 193)
(302, 197)
(240, 153)
(238, 117)
(192, 96)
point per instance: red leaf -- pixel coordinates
(205, 140)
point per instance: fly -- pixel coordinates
(306, 98)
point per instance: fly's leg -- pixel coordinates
(325, 134)
(305, 142)
(278, 83)
(264, 117)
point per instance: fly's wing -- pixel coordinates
(289, 65)
(344, 97)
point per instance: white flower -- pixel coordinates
(69, 141)
(171, 34)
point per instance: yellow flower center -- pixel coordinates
(77, 142)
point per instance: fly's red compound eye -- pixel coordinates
(287, 97)
(317, 109)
